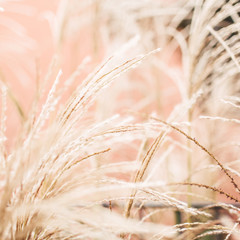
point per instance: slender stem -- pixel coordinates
(189, 155)
(96, 22)
(189, 161)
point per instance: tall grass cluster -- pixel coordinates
(119, 119)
